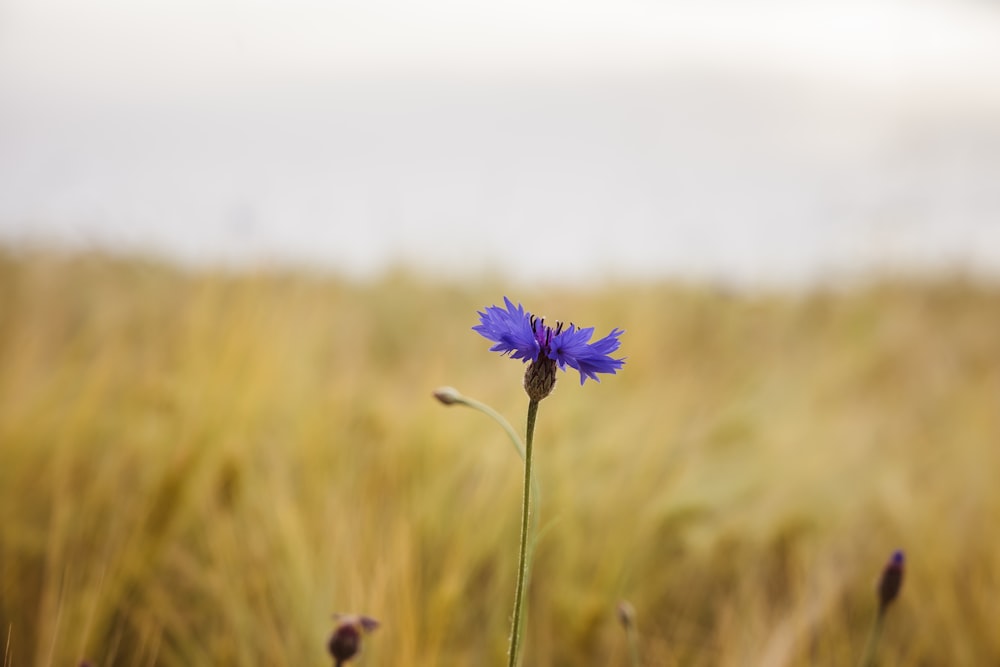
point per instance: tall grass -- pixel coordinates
(199, 468)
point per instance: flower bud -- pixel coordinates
(345, 641)
(891, 581)
(447, 395)
(626, 614)
(540, 378)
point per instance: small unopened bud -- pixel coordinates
(345, 641)
(626, 614)
(540, 378)
(447, 395)
(891, 581)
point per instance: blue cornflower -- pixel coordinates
(523, 336)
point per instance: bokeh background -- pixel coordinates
(242, 242)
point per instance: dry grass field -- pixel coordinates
(198, 468)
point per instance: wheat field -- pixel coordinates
(199, 467)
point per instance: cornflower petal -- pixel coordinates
(570, 344)
(523, 336)
(510, 329)
(589, 358)
(609, 343)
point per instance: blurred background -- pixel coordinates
(749, 142)
(241, 242)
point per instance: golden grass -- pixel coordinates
(198, 468)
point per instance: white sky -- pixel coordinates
(185, 45)
(838, 134)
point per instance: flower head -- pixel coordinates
(526, 337)
(345, 641)
(891, 581)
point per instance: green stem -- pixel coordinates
(522, 560)
(633, 646)
(495, 416)
(515, 439)
(868, 660)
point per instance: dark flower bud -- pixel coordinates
(345, 641)
(891, 581)
(540, 378)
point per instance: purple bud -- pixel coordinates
(345, 641)
(891, 581)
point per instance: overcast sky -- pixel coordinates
(677, 137)
(185, 44)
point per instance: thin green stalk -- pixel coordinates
(494, 415)
(453, 397)
(626, 616)
(633, 646)
(522, 560)
(868, 659)
(531, 496)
